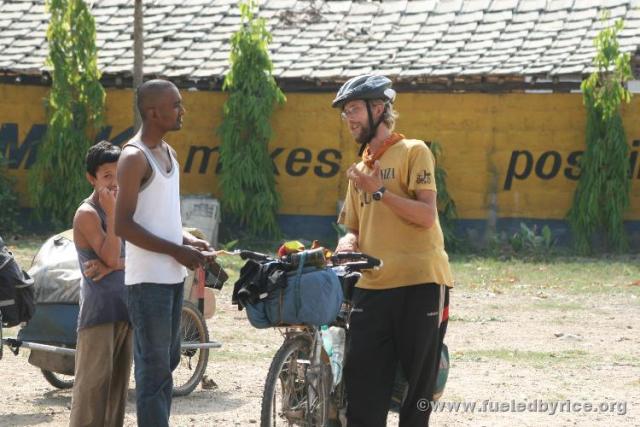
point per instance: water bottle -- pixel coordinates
(338, 338)
(327, 342)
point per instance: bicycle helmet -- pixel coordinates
(364, 87)
(367, 87)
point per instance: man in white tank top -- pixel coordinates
(157, 250)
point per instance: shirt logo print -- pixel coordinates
(388, 173)
(424, 177)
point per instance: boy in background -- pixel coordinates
(104, 345)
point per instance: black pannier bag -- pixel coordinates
(17, 302)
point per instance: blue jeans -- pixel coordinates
(155, 311)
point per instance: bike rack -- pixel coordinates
(195, 345)
(15, 345)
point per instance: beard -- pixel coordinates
(363, 136)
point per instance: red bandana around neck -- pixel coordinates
(370, 159)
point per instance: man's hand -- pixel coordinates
(365, 181)
(189, 256)
(107, 199)
(200, 244)
(95, 270)
(203, 245)
(348, 243)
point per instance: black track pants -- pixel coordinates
(403, 325)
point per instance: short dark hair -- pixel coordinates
(99, 154)
(147, 93)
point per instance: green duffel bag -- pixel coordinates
(400, 385)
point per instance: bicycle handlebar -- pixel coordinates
(257, 256)
(354, 260)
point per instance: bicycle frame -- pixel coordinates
(314, 370)
(337, 396)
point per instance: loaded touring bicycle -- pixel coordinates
(304, 385)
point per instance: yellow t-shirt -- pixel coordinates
(410, 254)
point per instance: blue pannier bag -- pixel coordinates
(313, 296)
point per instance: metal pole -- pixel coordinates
(196, 345)
(36, 346)
(14, 343)
(138, 58)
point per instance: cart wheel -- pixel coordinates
(193, 362)
(61, 381)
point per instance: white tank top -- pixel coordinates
(158, 211)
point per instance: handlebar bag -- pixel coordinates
(313, 296)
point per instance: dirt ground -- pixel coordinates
(518, 336)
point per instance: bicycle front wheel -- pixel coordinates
(295, 392)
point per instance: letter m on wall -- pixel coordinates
(24, 154)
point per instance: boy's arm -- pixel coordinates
(106, 245)
(94, 269)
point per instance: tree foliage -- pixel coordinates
(247, 178)
(602, 193)
(9, 201)
(446, 206)
(74, 111)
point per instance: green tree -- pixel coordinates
(602, 193)
(446, 206)
(74, 111)
(9, 202)
(247, 178)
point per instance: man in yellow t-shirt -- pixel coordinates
(400, 311)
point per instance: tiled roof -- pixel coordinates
(330, 41)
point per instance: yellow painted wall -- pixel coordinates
(479, 134)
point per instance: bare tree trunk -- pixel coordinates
(138, 58)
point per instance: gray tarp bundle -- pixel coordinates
(56, 271)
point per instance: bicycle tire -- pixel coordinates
(193, 328)
(289, 376)
(58, 380)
